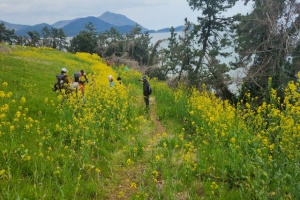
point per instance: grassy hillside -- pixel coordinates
(189, 145)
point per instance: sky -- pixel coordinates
(151, 14)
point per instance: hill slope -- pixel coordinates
(105, 145)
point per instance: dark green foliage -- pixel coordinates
(156, 72)
(54, 38)
(6, 35)
(85, 41)
(196, 54)
(267, 45)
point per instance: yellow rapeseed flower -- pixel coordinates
(11, 128)
(121, 194)
(2, 172)
(133, 185)
(23, 100)
(2, 94)
(157, 157)
(129, 161)
(4, 84)
(232, 140)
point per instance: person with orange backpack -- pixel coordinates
(81, 79)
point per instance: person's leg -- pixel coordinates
(146, 99)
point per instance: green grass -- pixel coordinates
(189, 145)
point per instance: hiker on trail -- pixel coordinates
(111, 81)
(62, 81)
(119, 79)
(146, 90)
(75, 84)
(82, 81)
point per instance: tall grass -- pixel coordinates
(105, 145)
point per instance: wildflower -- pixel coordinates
(129, 161)
(232, 140)
(5, 108)
(2, 172)
(97, 170)
(11, 128)
(4, 84)
(18, 114)
(133, 185)
(214, 185)
(157, 157)
(165, 145)
(155, 173)
(121, 194)
(27, 158)
(2, 116)
(2, 94)
(23, 100)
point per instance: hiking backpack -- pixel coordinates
(61, 79)
(150, 89)
(77, 76)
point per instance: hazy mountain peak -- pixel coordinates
(62, 23)
(116, 19)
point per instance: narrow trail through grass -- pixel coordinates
(127, 177)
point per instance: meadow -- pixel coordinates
(189, 145)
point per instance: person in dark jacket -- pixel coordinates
(146, 91)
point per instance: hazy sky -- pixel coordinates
(151, 14)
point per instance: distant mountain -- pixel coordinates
(14, 26)
(116, 19)
(176, 29)
(72, 27)
(78, 25)
(37, 27)
(62, 23)
(119, 20)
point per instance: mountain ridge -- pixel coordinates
(72, 27)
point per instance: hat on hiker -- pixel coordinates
(64, 70)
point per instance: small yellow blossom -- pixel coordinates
(4, 84)
(232, 140)
(157, 157)
(23, 100)
(11, 128)
(129, 161)
(121, 194)
(97, 170)
(2, 172)
(133, 185)
(165, 145)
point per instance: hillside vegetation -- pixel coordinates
(189, 145)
